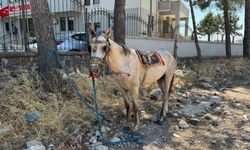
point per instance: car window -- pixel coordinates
(80, 37)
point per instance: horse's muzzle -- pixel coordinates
(96, 66)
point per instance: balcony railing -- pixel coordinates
(164, 5)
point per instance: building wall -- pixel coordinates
(109, 4)
(185, 48)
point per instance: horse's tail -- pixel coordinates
(170, 87)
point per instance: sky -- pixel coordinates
(200, 15)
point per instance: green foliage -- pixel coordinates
(235, 27)
(209, 25)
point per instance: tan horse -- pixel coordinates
(129, 71)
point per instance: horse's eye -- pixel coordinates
(104, 48)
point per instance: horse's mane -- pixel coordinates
(125, 49)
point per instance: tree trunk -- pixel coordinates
(45, 40)
(227, 28)
(246, 41)
(119, 19)
(175, 48)
(208, 37)
(195, 30)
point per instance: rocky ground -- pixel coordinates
(209, 108)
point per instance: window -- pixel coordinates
(71, 23)
(97, 26)
(62, 24)
(96, 1)
(7, 27)
(87, 2)
(80, 37)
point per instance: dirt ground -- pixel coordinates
(209, 108)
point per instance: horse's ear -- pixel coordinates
(91, 31)
(108, 32)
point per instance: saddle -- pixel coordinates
(150, 58)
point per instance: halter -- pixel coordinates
(100, 61)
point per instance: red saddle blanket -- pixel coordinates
(150, 58)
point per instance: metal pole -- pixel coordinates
(10, 26)
(25, 38)
(150, 20)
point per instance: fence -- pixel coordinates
(17, 29)
(101, 19)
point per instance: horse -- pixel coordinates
(128, 69)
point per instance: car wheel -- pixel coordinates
(77, 50)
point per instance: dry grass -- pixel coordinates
(61, 114)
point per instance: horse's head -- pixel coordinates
(99, 48)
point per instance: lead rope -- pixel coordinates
(93, 76)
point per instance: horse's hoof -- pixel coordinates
(136, 127)
(162, 121)
(127, 125)
(159, 121)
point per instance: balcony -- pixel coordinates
(172, 7)
(164, 6)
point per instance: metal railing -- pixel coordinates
(67, 15)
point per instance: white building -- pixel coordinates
(68, 15)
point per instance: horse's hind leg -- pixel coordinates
(134, 96)
(165, 83)
(127, 99)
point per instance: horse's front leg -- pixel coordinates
(134, 96)
(127, 100)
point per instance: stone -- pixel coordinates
(238, 105)
(175, 114)
(153, 119)
(93, 139)
(101, 147)
(51, 147)
(142, 113)
(183, 124)
(35, 145)
(205, 79)
(179, 73)
(176, 135)
(150, 147)
(124, 112)
(176, 128)
(94, 145)
(156, 94)
(194, 121)
(97, 133)
(108, 129)
(192, 110)
(245, 118)
(178, 86)
(227, 113)
(4, 130)
(215, 101)
(208, 116)
(103, 129)
(246, 137)
(205, 85)
(115, 139)
(217, 110)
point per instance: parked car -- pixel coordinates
(67, 42)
